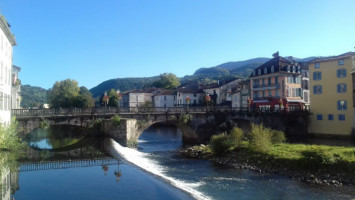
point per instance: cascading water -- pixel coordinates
(141, 160)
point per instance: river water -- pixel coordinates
(152, 171)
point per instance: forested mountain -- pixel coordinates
(123, 84)
(33, 96)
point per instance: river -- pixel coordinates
(152, 171)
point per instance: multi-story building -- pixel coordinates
(221, 92)
(7, 41)
(276, 84)
(165, 99)
(194, 96)
(331, 88)
(240, 95)
(137, 98)
(305, 85)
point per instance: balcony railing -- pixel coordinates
(262, 86)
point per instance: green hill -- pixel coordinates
(33, 96)
(123, 84)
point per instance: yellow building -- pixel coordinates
(331, 88)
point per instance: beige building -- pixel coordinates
(331, 89)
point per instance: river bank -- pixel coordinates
(311, 170)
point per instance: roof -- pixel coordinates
(183, 90)
(166, 92)
(344, 55)
(279, 64)
(216, 85)
(5, 27)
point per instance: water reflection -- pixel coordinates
(55, 137)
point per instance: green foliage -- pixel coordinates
(116, 120)
(44, 123)
(223, 143)
(185, 118)
(167, 81)
(33, 96)
(94, 123)
(316, 157)
(259, 138)
(113, 98)
(277, 136)
(9, 139)
(67, 94)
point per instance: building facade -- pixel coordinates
(331, 88)
(195, 97)
(7, 41)
(276, 85)
(16, 88)
(241, 95)
(165, 99)
(136, 98)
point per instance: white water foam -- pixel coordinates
(140, 159)
(142, 141)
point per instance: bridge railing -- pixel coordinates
(137, 110)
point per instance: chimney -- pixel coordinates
(275, 54)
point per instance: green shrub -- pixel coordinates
(95, 123)
(316, 157)
(44, 123)
(185, 118)
(277, 137)
(260, 138)
(116, 120)
(220, 144)
(236, 136)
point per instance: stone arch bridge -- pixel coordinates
(192, 121)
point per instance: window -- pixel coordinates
(330, 117)
(277, 93)
(259, 71)
(293, 69)
(341, 62)
(316, 65)
(1, 101)
(256, 95)
(263, 93)
(341, 88)
(317, 89)
(317, 76)
(341, 117)
(263, 80)
(269, 93)
(342, 105)
(269, 81)
(253, 73)
(341, 73)
(276, 80)
(272, 69)
(288, 68)
(265, 70)
(319, 117)
(165, 98)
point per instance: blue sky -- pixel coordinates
(92, 41)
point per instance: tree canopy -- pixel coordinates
(67, 94)
(167, 81)
(113, 98)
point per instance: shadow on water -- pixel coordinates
(56, 137)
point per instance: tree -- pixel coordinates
(114, 98)
(67, 94)
(167, 81)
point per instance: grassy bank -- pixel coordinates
(259, 149)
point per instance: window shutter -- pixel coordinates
(338, 88)
(314, 76)
(344, 88)
(319, 76)
(345, 106)
(338, 73)
(339, 106)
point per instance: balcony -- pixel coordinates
(266, 86)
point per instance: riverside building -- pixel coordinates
(332, 88)
(7, 41)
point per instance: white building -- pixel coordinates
(183, 94)
(165, 99)
(221, 92)
(137, 98)
(7, 41)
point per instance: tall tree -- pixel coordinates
(114, 98)
(67, 94)
(167, 81)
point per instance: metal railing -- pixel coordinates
(66, 164)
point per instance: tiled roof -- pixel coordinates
(344, 55)
(278, 63)
(167, 92)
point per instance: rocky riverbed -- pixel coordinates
(232, 159)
